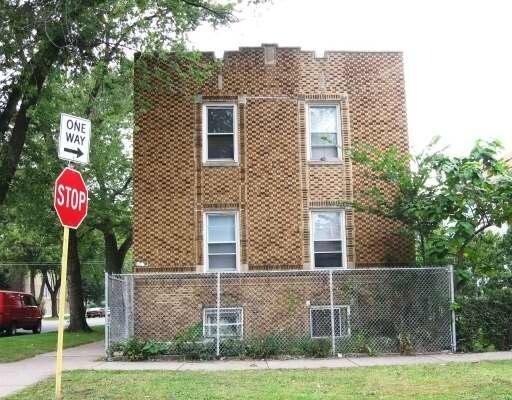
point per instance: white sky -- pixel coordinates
(457, 54)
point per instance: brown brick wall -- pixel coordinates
(273, 185)
(271, 304)
(383, 304)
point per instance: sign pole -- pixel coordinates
(62, 307)
(71, 199)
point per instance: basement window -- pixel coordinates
(230, 322)
(320, 321)
(219, 133)
(324, 132)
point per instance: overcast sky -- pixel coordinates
(457, 54)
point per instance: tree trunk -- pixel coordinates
(34, 76)
(41, 293)
(52, 290)
(114, 256)
(77, 321)
(423, 250)
(53, 298)
(9, 110)
(460, 257)
(33, 282)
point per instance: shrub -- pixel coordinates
(483, 322)
(233, 348)
(195, 350)
(133, 349)
(316, 348)
(153, 348)
(406, 346)
(264, 347)
(191, 333)
(361, 344)
(190, 344)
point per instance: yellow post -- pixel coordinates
(62, 308)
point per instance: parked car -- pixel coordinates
(96, 312)
(19, 311)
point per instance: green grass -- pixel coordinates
(486, 380)
(21, 346)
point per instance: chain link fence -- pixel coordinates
(295, 313)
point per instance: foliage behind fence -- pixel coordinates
(264, 314)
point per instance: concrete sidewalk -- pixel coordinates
(17, 375)
(232, 365)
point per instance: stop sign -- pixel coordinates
(70, 198)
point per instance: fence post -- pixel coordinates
(333, 332)
(125, 305)
(131, 314)
(107, 318)
(452, 301)
(218, 316)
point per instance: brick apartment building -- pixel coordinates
(251, 173)
(252, 170)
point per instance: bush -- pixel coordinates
(233, 348)
(153, 348)
(483, 322)
(315, 348)
(135, 349)
(264, 347)
(195, 350)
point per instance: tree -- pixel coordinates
(445, 201)
(51, 280)
(478, 192)
(403, 189)
(37, 37)
(83, 45)
(110, 171)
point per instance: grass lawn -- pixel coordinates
(25, 345)
(486, 380)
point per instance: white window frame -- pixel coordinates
(328, 307)
(240, 310)
(206, 242)
(343, 237)
(206, 134)
(339, 144)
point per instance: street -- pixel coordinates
(50, 325)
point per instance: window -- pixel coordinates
(230, 322)
(29, 301)
(219, 138)
(324, 134)
(221, 252)
(320, 321)
(328, 239)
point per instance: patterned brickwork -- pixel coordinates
(273, 185)
(274, 198)
(164, 181)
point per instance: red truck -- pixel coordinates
(19, 310)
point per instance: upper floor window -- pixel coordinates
(324, 132)
(219, 133)
(328, 239)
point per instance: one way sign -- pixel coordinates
(75, 135)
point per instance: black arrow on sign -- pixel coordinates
(76, 152)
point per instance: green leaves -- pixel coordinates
(437, 196)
